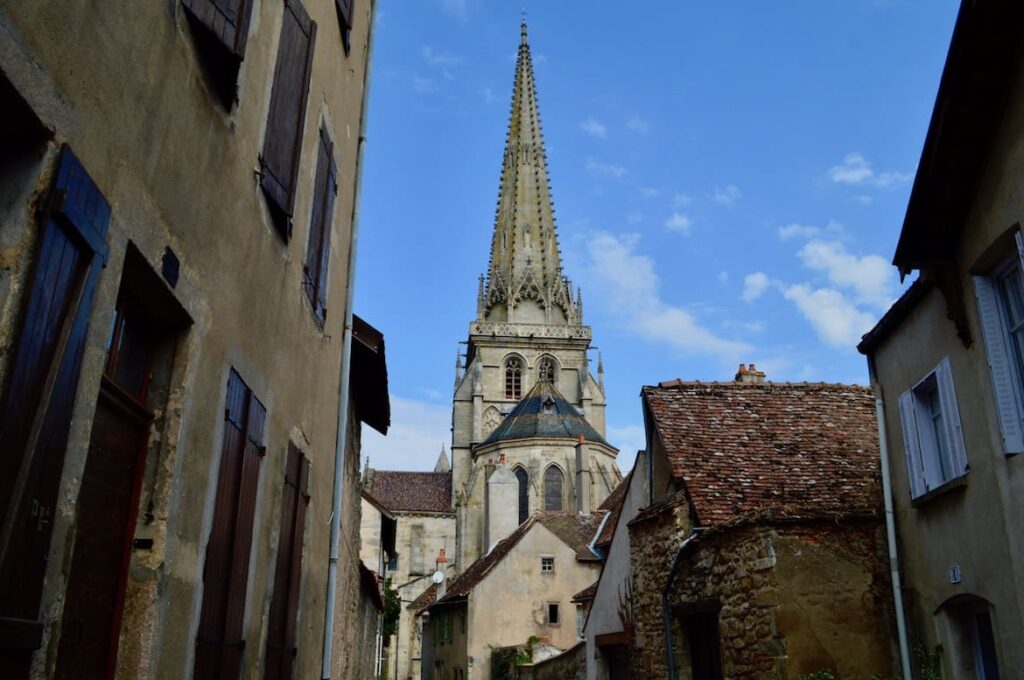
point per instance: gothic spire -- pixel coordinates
(525, 281)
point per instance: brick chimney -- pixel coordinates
(749, 374)
(442, 562)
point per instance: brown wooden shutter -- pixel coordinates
(282, 143)
(219, 644)
(319, 250)
(35, 420)
(227, 20)
(345, 12)
(281, 635)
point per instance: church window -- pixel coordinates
(553, 489)
(524, 494)
(492, 418)
(514, 378)
(546, 370)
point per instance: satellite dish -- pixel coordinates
(438, 577)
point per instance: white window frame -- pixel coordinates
(929, 464)
(543, 558)
(1007, 376)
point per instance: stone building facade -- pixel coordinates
(179, 181)
(761, 552)
(947, 352)
(425, 528)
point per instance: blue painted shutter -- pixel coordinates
(951, 418)
(911, 443)
(1003, 380)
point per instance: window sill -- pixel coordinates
(953, 484)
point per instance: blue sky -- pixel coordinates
(729, 182)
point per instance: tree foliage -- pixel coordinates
(392, 610)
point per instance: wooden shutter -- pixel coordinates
(220, 643)
(345, 12)
(1003, 380)
(951, 418)
(911, 443)
(282, 143)
(281, 635)
(319, 250)
(35, 420)
(227, 20)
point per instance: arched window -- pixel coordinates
(546, 370)
(524, 494)
(553, 488)
(514, 378)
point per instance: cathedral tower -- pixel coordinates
(528, 415)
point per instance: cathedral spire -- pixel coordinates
(525, 281)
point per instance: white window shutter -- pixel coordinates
(999, 365)
(911, 443)
(951, 418)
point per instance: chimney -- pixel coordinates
(749, 375)
(442, 562)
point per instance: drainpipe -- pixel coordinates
(666, 616)
(341, 441)
(890, 522)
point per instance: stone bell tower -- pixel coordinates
(528, 329)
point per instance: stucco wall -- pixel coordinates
(509, 605)
(570, 665)
(124, 87)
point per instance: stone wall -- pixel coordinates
(569, 665)
(791, 599)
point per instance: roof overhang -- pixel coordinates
(982, 64)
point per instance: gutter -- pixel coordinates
(666, 617)
(890, 522)
(341, 440)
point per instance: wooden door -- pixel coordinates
(107, 509)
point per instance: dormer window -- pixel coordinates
(548, 406)
(514, 378)
(546, 370)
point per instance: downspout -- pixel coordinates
(666, 616)
(341, 440)
(890, 522)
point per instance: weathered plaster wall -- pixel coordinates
(570, 665)
(510, 604)
(125, 89)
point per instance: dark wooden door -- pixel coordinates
(107, 509)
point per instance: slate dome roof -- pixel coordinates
(544, 413)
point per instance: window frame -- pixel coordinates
(558, 614)
(544, 561)
(514, 378)
(922, 446)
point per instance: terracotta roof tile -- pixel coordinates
(613, 504)
(412, 491)
(425, 599)
(587, 593)
(790, 450)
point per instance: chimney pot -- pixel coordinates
(441, 558)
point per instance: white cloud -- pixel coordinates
(418, 428)
(634, 216)
(606, 170)
(870, 277)
(594, 128)
(835, 319)
(626, 282)
(639, 125)
(723, 276)
(856, 170)
(488, 95)
(442, 59)
(798, 231)
(648, 192)
(681, 200)
(727, 195)
(423, 85)
(679, 222)
(754, 286)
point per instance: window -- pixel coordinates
(319, 249)
(553, 488)
(524, 494)
(220, 643)
(282, 143)
(547, 565)
(546, 370)
(392, 564)
(514, 378)
(931, 431)
(220, 30)
(345, 17)
(581, 619)
(701, 629)
(553, 619)
(1000, 299)
(284, 605)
